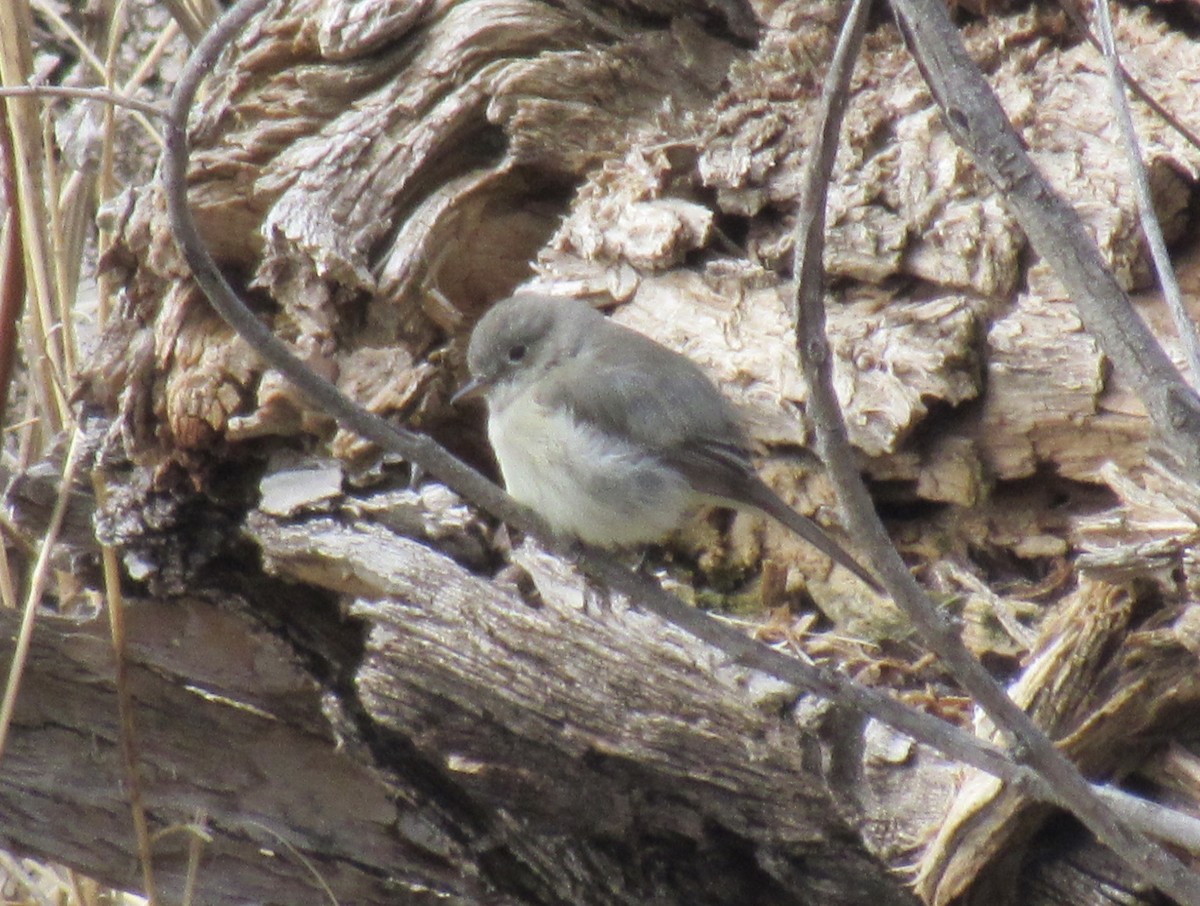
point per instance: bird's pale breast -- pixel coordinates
(587, 484)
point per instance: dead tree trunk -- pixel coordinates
(366, 689)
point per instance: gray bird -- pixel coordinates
(610, 437)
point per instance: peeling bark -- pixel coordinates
(426, 710)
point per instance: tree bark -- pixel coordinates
(348, 680)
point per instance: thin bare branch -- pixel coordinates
(1131, 80)
(1151, 818)
(1145, 202)
(114, 98)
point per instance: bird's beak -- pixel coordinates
(471, 390)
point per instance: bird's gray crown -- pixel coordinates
(527, 333)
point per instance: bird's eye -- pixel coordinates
(516, 353)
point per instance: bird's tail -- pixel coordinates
(766, 500)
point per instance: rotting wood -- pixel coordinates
(388, 168)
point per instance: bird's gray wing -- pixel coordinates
(637, 389)
(629, 386)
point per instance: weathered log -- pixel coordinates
(424, 723)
